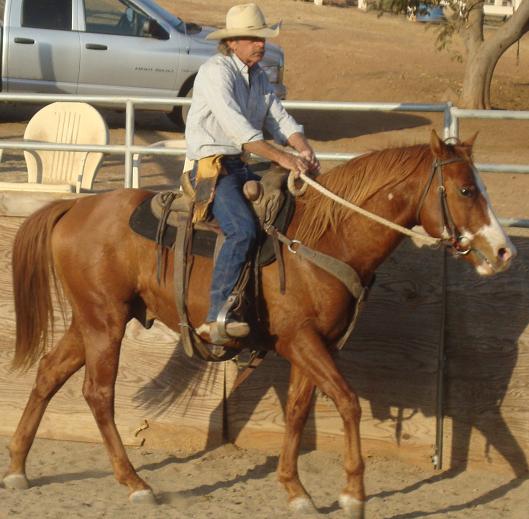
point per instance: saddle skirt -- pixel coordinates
(274, 206)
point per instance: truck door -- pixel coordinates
(125, 52)
(43, 52)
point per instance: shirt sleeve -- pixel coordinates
(278, 121)
(217, 85)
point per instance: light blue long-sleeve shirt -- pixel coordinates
(226, 112)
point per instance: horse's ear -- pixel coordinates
(437, 145)
(470, 142)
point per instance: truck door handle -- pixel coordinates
(96, 46)
(27, 41)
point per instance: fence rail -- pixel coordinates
(452, 116)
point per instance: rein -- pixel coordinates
(395, 226)
(456, 241)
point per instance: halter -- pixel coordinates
(460, 243)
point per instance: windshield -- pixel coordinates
(173, 20)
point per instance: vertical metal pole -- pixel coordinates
(437, 458)
(454, 123)
(129, 141)
(447, 121)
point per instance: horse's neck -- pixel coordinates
(363, 243)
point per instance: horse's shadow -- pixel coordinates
(481, 354)
(259, 471)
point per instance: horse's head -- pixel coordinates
(455, 207)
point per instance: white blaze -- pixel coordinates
(493, 233)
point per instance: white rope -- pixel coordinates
(399, 228)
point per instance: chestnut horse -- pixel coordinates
(105, 270)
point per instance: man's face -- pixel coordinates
(249, 50)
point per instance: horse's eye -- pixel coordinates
(467, 191)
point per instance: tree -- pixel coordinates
(482, 51)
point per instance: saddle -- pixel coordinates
(275, 205)
(166, 219)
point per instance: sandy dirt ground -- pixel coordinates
(74, 480)
(332, 53)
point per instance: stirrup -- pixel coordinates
(211, 333)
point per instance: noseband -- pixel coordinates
(460, 244)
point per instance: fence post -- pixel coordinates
(129, 141)
(437, 458)
(447, 121)
(454, 123)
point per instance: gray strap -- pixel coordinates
(340, 270)
(180, 281)
(256, 359)
(337, 268)
(358, 306)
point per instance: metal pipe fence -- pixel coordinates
(451, 117)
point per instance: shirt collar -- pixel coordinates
(240, 65)
(243, 68)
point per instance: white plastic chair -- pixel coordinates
(169, 143)
(63, 171)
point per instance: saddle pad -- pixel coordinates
(144, 223)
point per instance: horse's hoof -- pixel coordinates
(303, 506)
(142, 497)
(354, 508)
(16, 482)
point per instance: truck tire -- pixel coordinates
(178, 115)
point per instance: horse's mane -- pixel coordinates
(356, 181)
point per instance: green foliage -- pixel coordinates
(454, 22)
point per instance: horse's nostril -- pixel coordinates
(504, 254)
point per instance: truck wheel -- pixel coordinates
(178, 115)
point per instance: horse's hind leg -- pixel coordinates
(300, 391)
(55, 368)
(103, 340)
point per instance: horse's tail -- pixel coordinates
(33, 270)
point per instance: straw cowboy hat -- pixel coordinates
(245, 20)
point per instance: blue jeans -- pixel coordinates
(239, 225)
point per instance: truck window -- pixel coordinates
(115, 17)
(47, 14)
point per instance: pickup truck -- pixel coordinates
(108, 47)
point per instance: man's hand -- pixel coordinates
(300, 143)
(310, 157)
(294, 163)
(305, 161)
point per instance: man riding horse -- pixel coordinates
(233, 102)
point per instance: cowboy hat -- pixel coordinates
(245, 20)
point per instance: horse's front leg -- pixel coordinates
(308, 353)
(300, 391)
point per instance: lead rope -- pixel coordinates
(396, 227)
